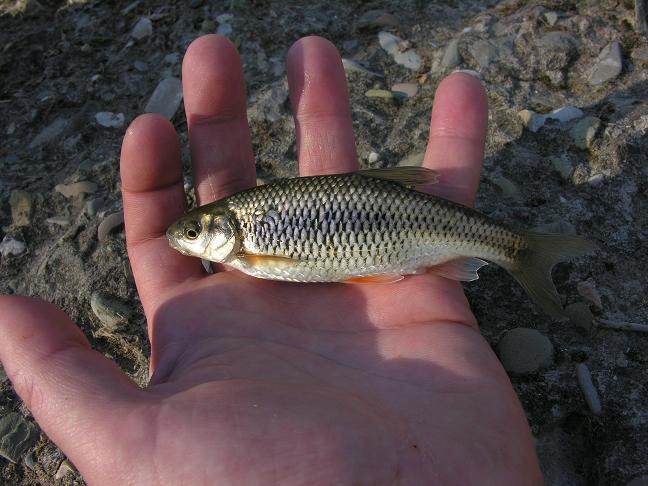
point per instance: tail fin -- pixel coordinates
(533, 266)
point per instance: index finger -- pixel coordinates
(457, 135)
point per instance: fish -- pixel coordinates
(368, 226)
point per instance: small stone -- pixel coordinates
(29, 460)
(64, 469)
(580, 314)
(484, 52)
(392, 44)
(51, 132)
(351, 66)
(587, 387)
(584, 131)
(525, 350)
(551, 17)
(208, 25)
(76, 188)
(95, 205)
(11, 128)
(141, 66)
(109, 119)
(413, 160)
(11, 247)
(531, 120)
(609, 64)
(373, 157)
(587, 289)
(506, 186)
(561, 165)
(143, 28)
(451, 56)
(110, 311)
(58, 220)
(166, 98)
(21, 207)
(640, 54)
(224, 27)
(379, 93)
(596, 180)
(407, 90)
(17, 435)
(565, 114)
(108, 224)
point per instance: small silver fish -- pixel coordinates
(367, 226)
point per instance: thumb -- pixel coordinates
(72, 390)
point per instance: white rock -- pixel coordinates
(373, 157)
(589, 390)
(609, 64)
(11, 247)
(166, 98)
(143, 28)
(534, 121)
(451, 56)
(408, 58)
(109, 119)
(408, 90)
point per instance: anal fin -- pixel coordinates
(381, 278)
(463, 269)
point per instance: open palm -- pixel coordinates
(261, 382)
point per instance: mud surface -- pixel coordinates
(62, 63)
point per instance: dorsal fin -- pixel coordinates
(406, 176)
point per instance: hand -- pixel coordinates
(261, 382)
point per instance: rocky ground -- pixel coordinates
(567, 151)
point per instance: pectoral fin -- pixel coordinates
(382, 278)
(462, 269)
(267, 261)
(406, 176)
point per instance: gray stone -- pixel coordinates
(596, 180)
(608, 66)
(551, 17)
(580, 314)
(534, 121)
(525, 350)
(562, 165)
(507, 187)
(76, 188)
(108, 224)
(484, 52)
(143, 28)
(451, 56)
(166, 98)
(587, 289)
(21, 203)
(389, 42)
(109, 119)
(17, 435)
(408, 90)
(394, 46)
(66, 468)
(95, 205)
(109, 310)
(584, 132)
(50, 133)
(11, 247)
(58, 220)
(590, 392)
(224, 27)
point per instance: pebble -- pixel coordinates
(64, 469)
(58, 220)
(166, 98)
(143, 28)
(609, 64)
(95, 205)
(377, 19)
(587, 387)
(141, 66)
(534, 121)
(373, 157)
(584, 131)
(407, 90)
(108, 224)
(110, 311)
(51, 132)
(379, 93)
(587, 289)
(16, 436)
(76, 188)
(484, 52)
(351, 66)
(21, 203)
(506, 186)
(208, 25)
(580, 314)
(551, 17)
(640, 54)
(109, 119)
(11, 247)
(224, 27)
(29, 460)
(561, 165)
(451, 57)
(525, 350)
(596, 180)
(393, 45)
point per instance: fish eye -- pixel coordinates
(192, 230)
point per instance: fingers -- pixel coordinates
(153, 193)
(320, 101)
(75, 393)
(214, 97)
(457, 134)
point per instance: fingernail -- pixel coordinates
(474, 74)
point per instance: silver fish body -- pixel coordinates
(361, 226)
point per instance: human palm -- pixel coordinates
(262, 382)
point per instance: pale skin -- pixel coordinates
(261, 382)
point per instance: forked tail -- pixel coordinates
(532, 268)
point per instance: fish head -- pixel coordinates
(209, 234)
